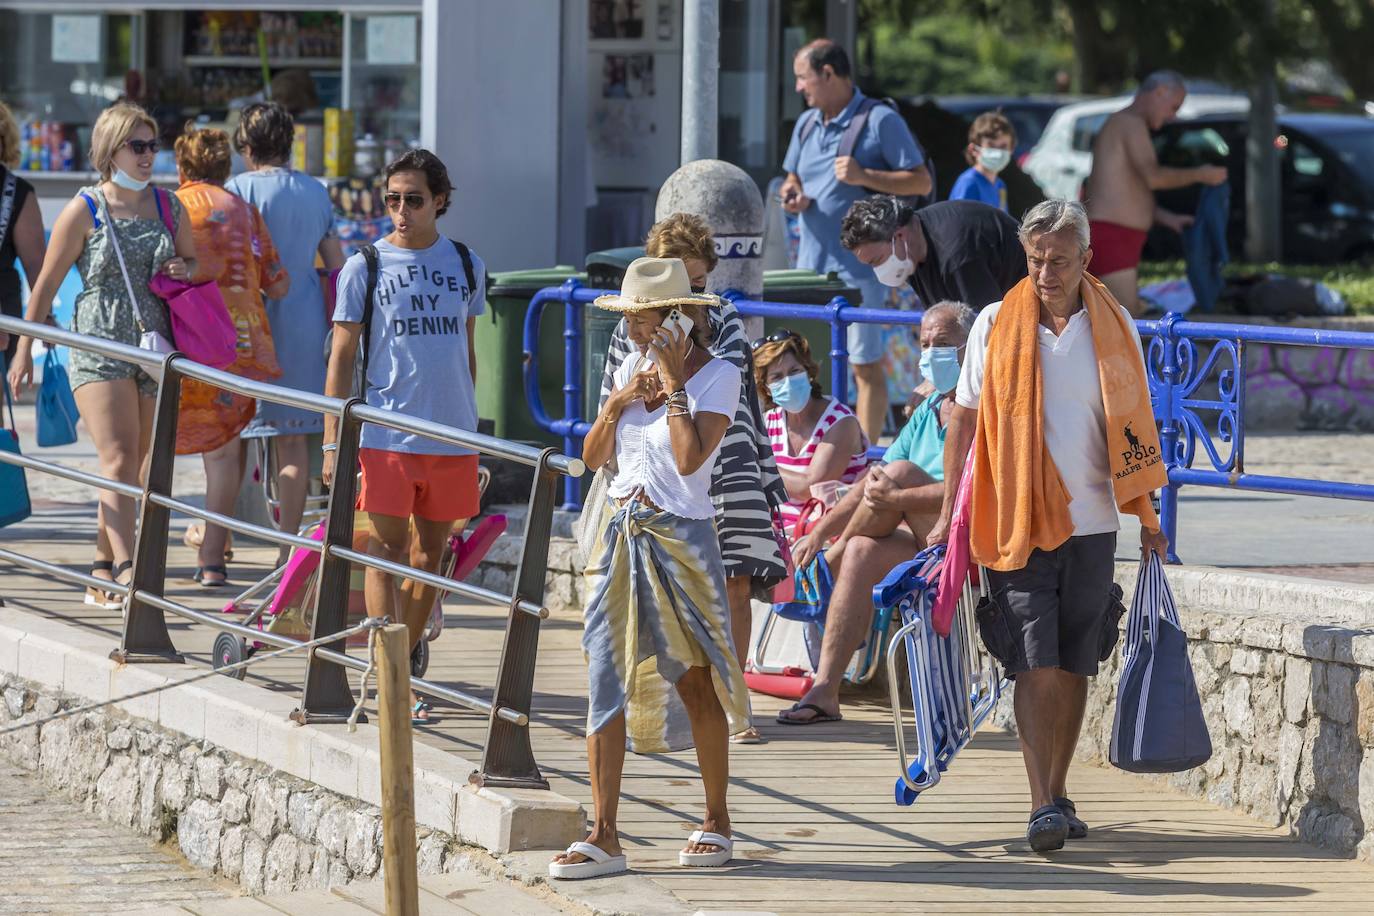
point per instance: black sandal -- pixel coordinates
(99, 597)
(1077, 829)
(199, 576)
(1047, 830)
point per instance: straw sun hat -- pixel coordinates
(655, 283)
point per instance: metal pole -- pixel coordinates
(507, 758)
(398, 771)
(1168, 433)
(327, 696)
(145, 637)
(700, 71)
(839, 351)
(572, 387)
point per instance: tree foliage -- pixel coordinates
(950, 46)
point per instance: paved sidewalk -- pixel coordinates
(817, 829)
(56, 858)
(465, 894)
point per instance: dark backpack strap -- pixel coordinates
(855, 129)
(90, 205)
(369, 253)
(810, 118)
(467, 266)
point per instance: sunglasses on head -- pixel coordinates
(777, 336)
(413, 201)
(141, 147)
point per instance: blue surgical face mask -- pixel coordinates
(127, 181)
(791, 393)
(941, 366)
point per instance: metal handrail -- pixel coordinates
(507, 756)
(1172, 394)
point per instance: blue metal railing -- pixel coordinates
(1177, 369)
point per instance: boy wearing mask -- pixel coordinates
(991, 139)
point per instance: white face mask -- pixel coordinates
(894, 271)
(993, 159)
(124, 180)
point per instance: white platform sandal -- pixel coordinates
(600, 864)
(707, 859)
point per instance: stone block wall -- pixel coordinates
(1286, 676)
(266, 830)
(1290, 709)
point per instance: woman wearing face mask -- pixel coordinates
(991, 138)
(814, 437)
(116, 234)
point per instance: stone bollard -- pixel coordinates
(726, 197)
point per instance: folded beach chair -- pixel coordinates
(954, 681)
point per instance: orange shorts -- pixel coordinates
(440, 488)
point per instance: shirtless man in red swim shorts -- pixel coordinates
(1120, 191)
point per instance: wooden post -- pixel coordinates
(398, 771)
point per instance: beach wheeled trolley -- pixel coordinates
(955, 682)
(289, 606)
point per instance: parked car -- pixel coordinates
(1063, 158)
(1327, 192)
(1027, 113)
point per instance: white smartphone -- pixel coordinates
(675, 319)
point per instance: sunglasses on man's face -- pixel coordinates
(142, 147)
(413, 201)
(777, 336)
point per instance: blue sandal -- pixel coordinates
(415, 713)
(1077, 829)
(1047, 830)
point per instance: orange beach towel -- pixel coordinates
(1019, 500)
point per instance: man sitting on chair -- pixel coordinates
(883, 519)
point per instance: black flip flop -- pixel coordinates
(199, 577)
(820, 715)
(1077, 829)
(1047, 830)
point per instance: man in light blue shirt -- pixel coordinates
(821, 184)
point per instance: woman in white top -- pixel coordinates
(657, 629)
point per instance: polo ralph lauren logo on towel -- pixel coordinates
(1137, 455)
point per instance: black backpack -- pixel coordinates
(369, 253)
(850, 139)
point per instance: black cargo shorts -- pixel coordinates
(1051, 613)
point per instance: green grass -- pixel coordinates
(1354, 281)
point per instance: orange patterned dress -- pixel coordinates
(234, 247)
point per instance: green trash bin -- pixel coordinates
(499, 340)
(605, 270)
(806, 287)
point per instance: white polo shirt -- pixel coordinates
(1075, 421)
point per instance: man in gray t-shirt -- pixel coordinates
(420, 362)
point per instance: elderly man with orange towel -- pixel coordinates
(1053, 402)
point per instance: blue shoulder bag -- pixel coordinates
(14, 487)
(56, 407)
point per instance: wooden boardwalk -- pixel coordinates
(817, 829)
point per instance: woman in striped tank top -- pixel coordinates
(815, 438)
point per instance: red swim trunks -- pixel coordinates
(441, 488)
(1115, 247)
